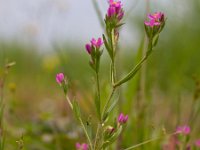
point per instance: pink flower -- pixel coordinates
(93, 44)
(155, 19)
(156, 16)
(116, 4)
(115, 10)
(122, 119)
(82, 146)
(60, 78)
(152, 23)
(96, 43)
(183, 129)
(197, 143)
(111, 11)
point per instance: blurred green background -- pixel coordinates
(35, 105)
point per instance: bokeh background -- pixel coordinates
(45, 37)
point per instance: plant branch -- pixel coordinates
(107, 103)
(133, 72)
(69, 101)
(86, 133)
(96, 137)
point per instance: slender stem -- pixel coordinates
(148, 141)
(114, 53)
(107, 103)
(98, 92)
(98, 98)
(82, 124)
(84, 129)
(132, 73)
(97, 136)
(69, 101)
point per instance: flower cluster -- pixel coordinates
(155, 19)
(82, 146)
(155, 24)
(112, 132)
(93, 49)
(115, 14)
(94, 44)
(115, 11)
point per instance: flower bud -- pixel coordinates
(88, 48)
(122, 119)
(60, 78)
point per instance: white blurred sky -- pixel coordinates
(43, 22)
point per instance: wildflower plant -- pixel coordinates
(106, 133)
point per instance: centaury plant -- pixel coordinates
(106, 134)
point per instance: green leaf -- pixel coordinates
(155, 40)
(107, 47)
(97, 104)
(147, 30)
(119, 25)
(114, 103)
(105, 117)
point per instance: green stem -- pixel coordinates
(98, 105)
(132, 73)
(84, 129)
(107, 103)
(69, 101)
(113, 59)
(98, 109)
(97, 136)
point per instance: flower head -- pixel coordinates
(155, 19)
(82, 146)
(183, 129)
(60, 78)
(152, 23)
(96, 43)
(156, 16)
(197, 143)
(122, 119)
(115, 10)
(93, 44)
